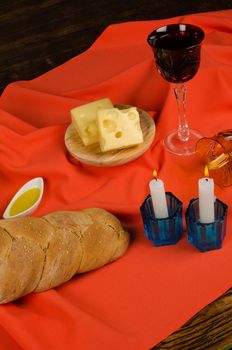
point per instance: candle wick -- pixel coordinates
(206, 179)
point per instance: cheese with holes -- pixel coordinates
(84, 119)
(119, 128)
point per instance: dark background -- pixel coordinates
(39, 35)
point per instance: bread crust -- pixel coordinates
(41, 253)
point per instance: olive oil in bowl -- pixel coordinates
(26, 200)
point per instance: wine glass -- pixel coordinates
(177, 49)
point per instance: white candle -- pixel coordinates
(206, 200)
(158, 198)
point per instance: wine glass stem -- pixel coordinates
(180, 91)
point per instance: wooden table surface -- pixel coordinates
(39, 35)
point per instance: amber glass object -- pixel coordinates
(216, 153)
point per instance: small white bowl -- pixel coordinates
(37, 182)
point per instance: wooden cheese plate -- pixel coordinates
(92, 154)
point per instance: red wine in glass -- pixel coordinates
(177, 49)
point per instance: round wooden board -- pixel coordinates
(92, 154)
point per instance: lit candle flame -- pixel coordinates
(206, 172)
(154, 174)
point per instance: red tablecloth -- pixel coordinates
(140, 299)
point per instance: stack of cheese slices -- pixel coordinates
(113, 128)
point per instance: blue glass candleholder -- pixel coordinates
(166, 231)
(206, 237)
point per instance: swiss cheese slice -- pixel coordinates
(118, 128)
(84, 119)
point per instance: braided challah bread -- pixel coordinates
(41, 253)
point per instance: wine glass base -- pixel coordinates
(182, 148)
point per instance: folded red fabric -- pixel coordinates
(140, 299)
